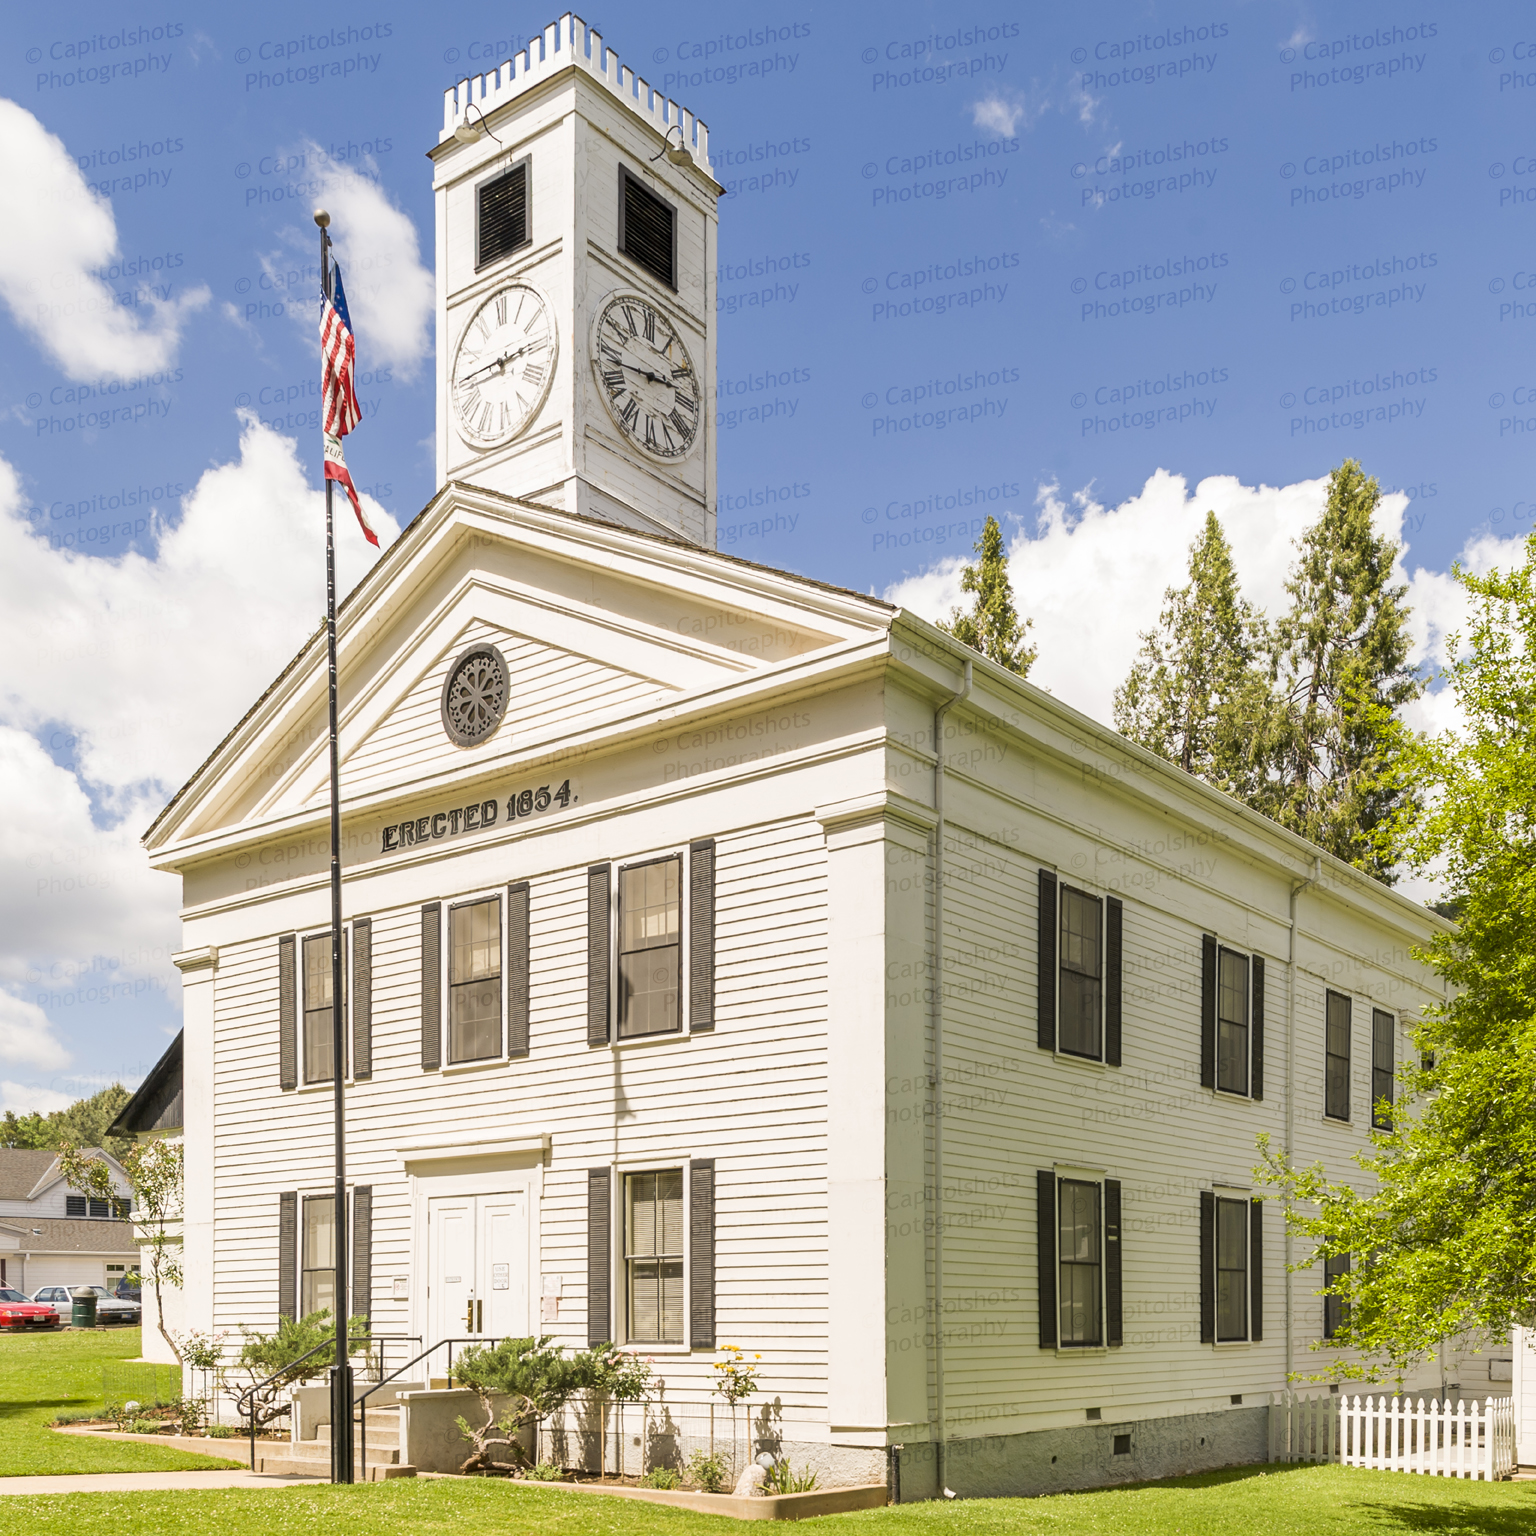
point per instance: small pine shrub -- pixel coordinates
(661, 1477)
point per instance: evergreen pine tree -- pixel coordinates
(992, 626)
(1193, 692)
(1334, 749)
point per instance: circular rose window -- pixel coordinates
(475, 695)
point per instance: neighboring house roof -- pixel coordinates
(63, 1234)
(156, 1106)
(22, 1170)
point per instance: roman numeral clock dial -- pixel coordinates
(646, 377)
(503, 367)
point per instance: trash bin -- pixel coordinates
(82, 1307)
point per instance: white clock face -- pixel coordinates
(647, 377)
(503, 367)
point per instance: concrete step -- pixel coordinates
(288, 1466)
(385, 1418)
(378, 1434)
(312, 1451)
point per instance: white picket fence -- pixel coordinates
(1396, 1434)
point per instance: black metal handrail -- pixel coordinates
(245, 1399)
(362, 1402)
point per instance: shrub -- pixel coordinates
(545, 1472)
(707, 1472)
(281, 1355)
(661, 1477)
(534, 1374)
(221, 1432)
(147, 1426)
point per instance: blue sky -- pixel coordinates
(974, 259)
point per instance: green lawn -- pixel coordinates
(46, 1374)
(1309, 1501)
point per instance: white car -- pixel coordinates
(109, 1308)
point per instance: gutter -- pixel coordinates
(1290, 1108)
(936, 1080)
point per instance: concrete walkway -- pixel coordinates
(149, 1482)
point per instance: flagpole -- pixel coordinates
(341, 1375)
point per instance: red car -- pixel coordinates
(18, 1314)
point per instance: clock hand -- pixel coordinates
(500, 363)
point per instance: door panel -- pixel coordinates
(503, 1272)
(451, 1242)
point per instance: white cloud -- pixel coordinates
(132, 669)
(389, 292)
(1092, 578)
(48, 274)
(997, 115)
(26, 1037)
(27, 1098)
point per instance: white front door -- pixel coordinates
(477, 1265)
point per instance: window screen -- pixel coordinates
(503, 215)
(474, 981)
(1336, 1066)
(647, 230)
(650, 948)
(317, 1009)
(1079, 1029)
(653, 1255)
(1231, 1269)
(1080, 1239)
(1383, 1059)
(319, 1276)
(1232, 1023)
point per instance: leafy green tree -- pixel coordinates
(1335, 748)
(1445, 1244)
(992, 626)
(1194, 692)
(83, 1124)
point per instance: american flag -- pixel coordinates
(339, 409)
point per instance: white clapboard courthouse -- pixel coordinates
(737, 960)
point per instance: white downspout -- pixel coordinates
(1290, 1110)
(936, 1080)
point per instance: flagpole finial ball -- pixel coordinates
(322, 218)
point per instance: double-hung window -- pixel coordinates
(650, 948)
(1336, 1057)
(1080, 1028)
(474, 980)
(317, 1288)
(1383, 1068)
(653, 1256)
(319, 1054)
(1232, 1022)
(1078, 1233)
(1231, 1268)
(1335, 1308)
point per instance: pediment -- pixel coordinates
(598, 625)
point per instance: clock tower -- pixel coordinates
(576, 241)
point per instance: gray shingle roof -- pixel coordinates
(20, 1169)
(66, 1234)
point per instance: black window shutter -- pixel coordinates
(1258, 1028)
(1207, 1267)
(503, 209)
(1113, 1308)
(647, 229)
(362, 997)
(701, 1253)
(599, 1255)
(1045, 1249)
(701, 936)
(287, 1012)
(517, 969)
(1207, 1011)
(1255, 1269)
(362, 1251)
(1114, 923)
(288, 1255)
(1045, 980)
(597, 958)
(431, 986)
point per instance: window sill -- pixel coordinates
(328, 1086)
(661, 1037)
(459, 1068)
(1335, 1120)
(1233, 1096)
(1231, 1343)
(661, 1349)
(1093, 1063)
(1072, 1351)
